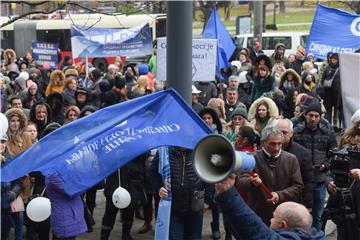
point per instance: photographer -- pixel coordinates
(347, 227)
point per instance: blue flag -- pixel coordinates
(333, 30)
(215, 29)
(164, 210)
(87, 150)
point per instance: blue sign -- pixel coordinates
(45, 53)
(109, 42)
(333, 30)
(89, 149)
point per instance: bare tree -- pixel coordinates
(353, 5)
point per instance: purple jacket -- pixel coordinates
(67, 214)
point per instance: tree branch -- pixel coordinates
(32, 12)
(26, 2)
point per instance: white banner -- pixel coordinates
(203, 59)
(350, 83)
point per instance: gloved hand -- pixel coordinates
(11, 196)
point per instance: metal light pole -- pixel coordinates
(258, 19)
(179, 47)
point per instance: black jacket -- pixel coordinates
(303, 156)
(184, 180)
(319, 141)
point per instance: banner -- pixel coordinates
(164, 210)
(109, 42)
(215, 29)
(89, 149)
(45, 53)
(333, 30)
(350, 84)
(203, 59)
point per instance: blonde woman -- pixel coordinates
(72, 113)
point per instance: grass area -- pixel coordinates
(294, 17)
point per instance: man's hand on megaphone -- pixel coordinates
(254, 178)
(226, 184)
(163, 193)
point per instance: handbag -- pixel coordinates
(17, 205)
(197, 201)
(328, 82)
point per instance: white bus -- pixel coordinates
(21, 33)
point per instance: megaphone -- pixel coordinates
(214, 159)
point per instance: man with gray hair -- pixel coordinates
(304, 158)
(278, 170)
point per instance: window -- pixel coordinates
(61, 36)
(303, 40)
(7, 39)
(270, 42)
(239, 42)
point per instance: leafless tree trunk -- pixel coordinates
(282, 6)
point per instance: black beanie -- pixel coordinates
(314, 106)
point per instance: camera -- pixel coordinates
(340, 165)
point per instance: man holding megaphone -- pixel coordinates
(276, 169)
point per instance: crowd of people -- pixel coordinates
(281, 109)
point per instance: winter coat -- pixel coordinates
(281, 175)
(56, 103)
(319, 142)
(67, 213)
(208, 90)
(27, 99)
(261, 86)
(53, 86)
(303, 156)
(275, 56)
(69, 98)
(246, 224)
(286, 85)
(184, 180)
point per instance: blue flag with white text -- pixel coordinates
(215, 29)
(89, 149)
(333, 30)
(164, 209)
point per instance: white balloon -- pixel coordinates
(4, 124)
(39, 209)
(121, 198)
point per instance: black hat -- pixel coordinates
(313, 106)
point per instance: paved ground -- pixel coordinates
(116, 233)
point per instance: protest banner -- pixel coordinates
(45, 53)
(108, 42)
(203, 59)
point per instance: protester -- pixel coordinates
(57, 80)
(194, 100)
(40, 114)
(319, 138)
(272, 164)
(232, 102)
(289, 220)
(56, 103)
(263, 82)
(208, 90)
(238, 120)
(71, 114)
(33, 132)
(67, 213)
(261, 113)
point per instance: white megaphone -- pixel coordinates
(215, 158)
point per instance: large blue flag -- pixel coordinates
(87, 150)
(333, 30)
(215, 29)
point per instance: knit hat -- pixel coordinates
(237, 64)
(71, 73)
(239, 111)
(143, 69)
(313, 106)
(35, 70)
